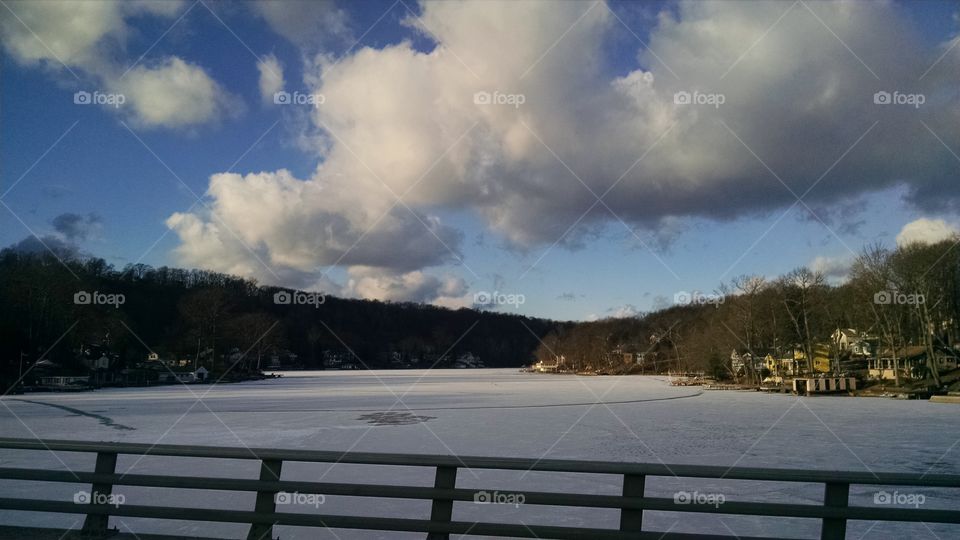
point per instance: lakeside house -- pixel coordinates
(912, 362)
(65, 382)
(468, 360)
(854, 343)
(741, 363)
(549, 367)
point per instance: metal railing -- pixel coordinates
(834, 511)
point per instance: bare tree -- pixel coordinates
(801, 292)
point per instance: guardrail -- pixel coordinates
(834, 512)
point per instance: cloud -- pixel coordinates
(308, 24)
(33, 245)
(926, 231)
(283, 230)
(77, 228)
(414, 286)
(64, 31)
(623, 312)
(558, 125)
(70, 229)
(87, 38)
(835, 268)
(175, 94)
(567, 297)
(271, 77)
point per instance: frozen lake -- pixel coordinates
(494, 413)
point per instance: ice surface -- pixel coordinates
(491, 413)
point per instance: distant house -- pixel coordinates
(851, 341)
(65, 382)
(202, 375)
(275, 361)
(740, 362)
(620, 356)
(468, 360)
(912, 360)
(334, 359)
(98, 357)
(549, 367)
(822, 359)
(787, 365)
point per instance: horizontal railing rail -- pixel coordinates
(834, 512)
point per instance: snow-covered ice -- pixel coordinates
(492, 413)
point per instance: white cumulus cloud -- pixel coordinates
(175, 94)
(87, 37)
(503, 120)
(926, 231)
(271, 77)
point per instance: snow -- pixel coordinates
(492, 413)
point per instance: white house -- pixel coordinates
(849, 339)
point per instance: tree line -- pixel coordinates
(226, 320)
(907, 296)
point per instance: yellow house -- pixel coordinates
(821, 358)
(771, 363)
(792, 363)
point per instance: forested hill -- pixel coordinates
(900, 300)
(182, 313)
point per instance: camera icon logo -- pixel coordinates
(881, 98)
(281, 497)
(883, 298)
(882, 497)
(81, 497)
(682, 497)
(682, 98)
(482, 98)
(281, 98)
(282, 298)
(482, 298)
(482, 497)
(82, 298)
(682, 298)
(81, 98)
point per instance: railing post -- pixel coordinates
(96, 524)
(632, 520)
(835, 496)
(266, 501)
(442, 509)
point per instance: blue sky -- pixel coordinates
(502, 194)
